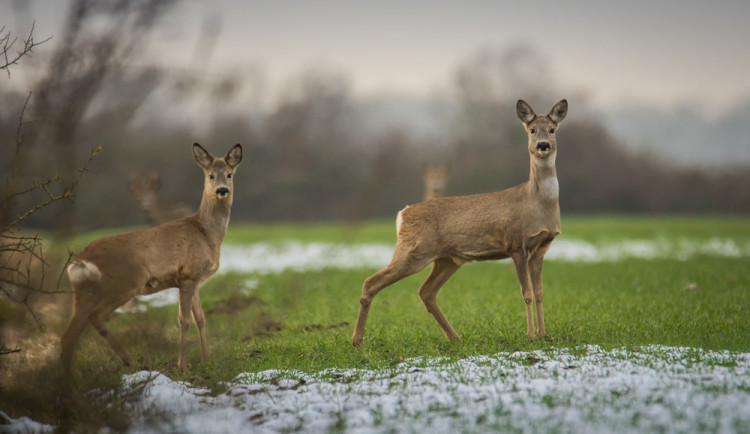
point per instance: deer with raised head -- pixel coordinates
(146, 191)
(435, 181)
(181, 253)
(518, 223)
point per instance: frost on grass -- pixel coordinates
(653, 389)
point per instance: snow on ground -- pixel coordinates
(657, 389)
(265, 258)
(652, 389)
(297, 256)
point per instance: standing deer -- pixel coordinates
(146, 191)
(519, 223)
(181, 253)
(435, 180)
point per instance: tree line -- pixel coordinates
(313, 154)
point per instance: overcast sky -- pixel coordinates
(662, 53)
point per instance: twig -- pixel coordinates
(4, 351)
(21, 123)
(7, 44)
(52, 197)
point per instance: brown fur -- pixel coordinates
(518, 223)
(146, 191)
(181, 253)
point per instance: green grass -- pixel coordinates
(304, 320)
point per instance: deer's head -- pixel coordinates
(219, 172)
(146, 189)
(541, 129)
(435, 179)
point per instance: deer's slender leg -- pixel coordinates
(535, 271)
(70, 336)
(200, 321)
(187, 290)
(442, 270)
(400, 267)
(521, 261)
(98, 319)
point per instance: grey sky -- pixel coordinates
(661, 53)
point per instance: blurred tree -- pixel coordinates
(99, 38)
(23, 261)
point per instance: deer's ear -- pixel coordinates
(234, 156)
(202, 157)
(524, 111)
(558, 112)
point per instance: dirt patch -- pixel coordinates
(264, 328)
(315, 327)
(234, 304)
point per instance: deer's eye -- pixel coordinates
(229, 175)
(211, 176)
(532, 131)
(551, 130)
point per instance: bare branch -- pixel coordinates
(52, 197)
(9, 58)
(21, 123)
(4, 350)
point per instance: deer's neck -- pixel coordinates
(543, 179)
(214, 217)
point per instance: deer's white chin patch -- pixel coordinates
(545, 158)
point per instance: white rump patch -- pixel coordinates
(80, 271)
(399, 220)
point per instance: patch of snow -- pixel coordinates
(655, 389)
(264, 258)
(22, 425)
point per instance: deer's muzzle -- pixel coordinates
(222, 192)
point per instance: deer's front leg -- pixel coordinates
(535, 270)
(187, 290)
(521, 261)
(200, 321)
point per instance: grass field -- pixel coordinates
(642, 294)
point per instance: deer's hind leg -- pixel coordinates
(442, 270)
(72, 333)
(98, 319)
(402, 265)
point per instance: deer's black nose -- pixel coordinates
(543, 146)
(222, 191)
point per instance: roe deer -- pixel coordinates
(519, 223)
(146, 191)
(181, 253)
(435, 180)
